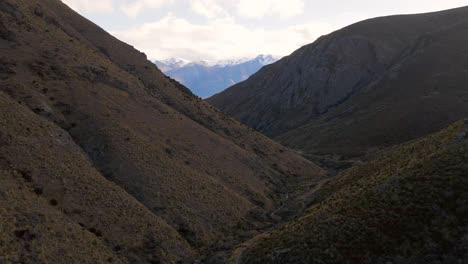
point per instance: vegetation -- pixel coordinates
(410, 205)
(98, 143)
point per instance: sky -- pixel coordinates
(231, 29)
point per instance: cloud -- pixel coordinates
(255, 9)
(217, 39)
(134, 7)
(91, 6)
(209, 8)
(262, 8)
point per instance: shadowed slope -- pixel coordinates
(206, 176)
(420, 94)
(407, 206)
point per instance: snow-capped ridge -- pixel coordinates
(176, 63)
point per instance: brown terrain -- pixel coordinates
(105, 159)
(408, 205)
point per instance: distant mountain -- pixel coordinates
(171, 64)
(206, 79)
(370, 85)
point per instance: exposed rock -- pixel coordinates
(5, 33)
(6, 69)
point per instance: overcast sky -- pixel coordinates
(229, 29)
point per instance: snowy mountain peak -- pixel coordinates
(177, 63)
(233, 62)
(174, 62)
(267, 59)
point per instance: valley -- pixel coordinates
(352, 149)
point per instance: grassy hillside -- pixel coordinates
(196, 177)
(407, 206)
(56, 207)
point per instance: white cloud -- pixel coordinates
(218, 39)
(134, 7)
(262, 8)
(248, 8)
(209, 8)
(91, 6)
(235, 28)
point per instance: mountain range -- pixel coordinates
(104, 159)
(205, 78)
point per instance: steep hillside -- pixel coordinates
(97, 141)
(410, 205)
(375, 83)
(56, 207)
(205, 80)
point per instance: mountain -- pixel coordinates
(409, 205)
(206, 79)
(370, 85)
(171, 64)
(105, 159)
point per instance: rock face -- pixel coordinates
(337, 91)
(104, 158)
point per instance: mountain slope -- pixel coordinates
(54, 201)
(187, 178)
(407, 206)
(333, 95)
(206, 80)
